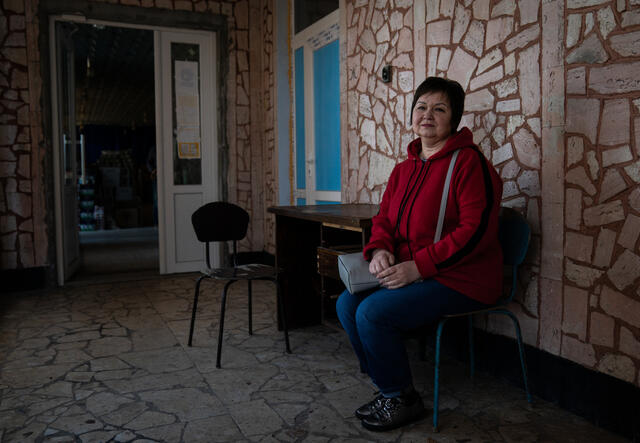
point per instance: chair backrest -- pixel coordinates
(514, 234)
(220, 221)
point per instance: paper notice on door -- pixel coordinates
(186, 77)
(188, 150)
(187, 109)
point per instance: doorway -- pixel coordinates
(109, 148)
(132, 159)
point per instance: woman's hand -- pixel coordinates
(381, 259)
(400, 275)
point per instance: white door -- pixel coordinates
(187, 143)
(65, 151)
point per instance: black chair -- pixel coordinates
(221, 222)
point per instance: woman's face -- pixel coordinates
(432, 117)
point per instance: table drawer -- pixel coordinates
(328, 258)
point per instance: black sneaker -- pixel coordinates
(367, 409)
(395, 412)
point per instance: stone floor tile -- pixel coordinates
(76, 424)
(150, 419)
(71, 356)
(168, 433)
(346, 401)
(79, 376)
(255, 418)
(103, 403)
(336, 382)
(221, 429)
(153, 338)
(114, 375)
(35, 343)
(57, 389)
(47, 405)
(323, 420)
(232, 358)
(81, 394)
(124, 436)
(113, 331)
(289, 412)
(12, 419)
(97, 436)
(26, 362)
(124, 414)
(70, 345)
(233, 386)
(33, 377)
(455, 427)
(108, 346)
(159, 360)
(107, 364)
(79, 336)
(277, 397)
(142, 381)
(317, 439)
(28, 434)
(187, 404)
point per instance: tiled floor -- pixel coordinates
(109, 362)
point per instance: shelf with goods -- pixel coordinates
(87, 206)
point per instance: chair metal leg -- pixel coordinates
(250, 304)
(221, 326)
(283, 316)
(437, 375)
(472, 362)
(195, 306)
(523, 362)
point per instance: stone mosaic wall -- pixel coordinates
(270, 195)
(493, 50)
(250, 122)
(578, 296)
(601, 316)
(378, 128)
(22, 211)
(26, 221)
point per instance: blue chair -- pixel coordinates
(222, 221)
(514, 234)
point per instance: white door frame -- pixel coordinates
(309, 39)
(57, 177)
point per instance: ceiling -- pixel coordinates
(114, 76)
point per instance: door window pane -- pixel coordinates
(326, 88)
(185, 71)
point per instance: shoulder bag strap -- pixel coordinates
(445, 196)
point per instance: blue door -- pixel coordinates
(317, 113)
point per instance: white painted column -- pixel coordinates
(552, 176)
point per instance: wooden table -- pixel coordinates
(300, 230)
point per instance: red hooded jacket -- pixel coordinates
(468, 257)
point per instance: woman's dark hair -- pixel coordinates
(453, 91)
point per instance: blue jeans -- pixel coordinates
(377, 320)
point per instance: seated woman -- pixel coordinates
(421, 280)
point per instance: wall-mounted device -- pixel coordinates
(386, 74)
